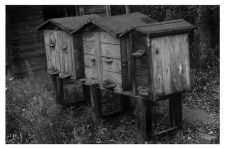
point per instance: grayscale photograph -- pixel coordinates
(112, 74)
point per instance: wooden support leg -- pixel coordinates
(175, 110)
(86, 94)
(96, 100)
(54, 81)
(144, 121)
(125, 103)
(59, 97)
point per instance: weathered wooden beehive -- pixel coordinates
(160, 64)
(105, 53)
(63, 50)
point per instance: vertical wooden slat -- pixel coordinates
(96, 100)
(175, 110)
(108, 11)
(53, 63)
(132, 65)
(125, 77)
(150, 66)
(78, 56)
(47, 49)
(61, 54)
(57, 52)
(77, 10)
(98, 59)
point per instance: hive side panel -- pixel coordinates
(124, 44)
(141, 63)
(78, 56)
(47, 48)
(171, 71)
(61, 54)
(108, 39)
(111, 51)
(53, 53)
(57, 50)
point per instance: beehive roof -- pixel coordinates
(68, 24)
(116, 25)
(163, 28)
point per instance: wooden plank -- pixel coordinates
(98, 59)
(78, 56)
(47, 49)
(96, 100)
(61, 55)
(69, 53)
(127, 9)
(184, 45)
(112, 65)
(90, 73)
(53, 55)
(66, 55)
(113, 77)
(111, 51)
(57, 58)
(157, 50)
(89, 47)
(132, 65)
(150, 66)
(125, 75)
(108, 39)
(89, 60)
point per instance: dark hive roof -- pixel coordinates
(116, 25)
(162, 28)
(68, 24)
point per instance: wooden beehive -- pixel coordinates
(105, 56)
(161, 58)
(63, 50)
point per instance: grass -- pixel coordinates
(33, 116)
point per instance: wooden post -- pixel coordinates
(54, 81)
(86, 93)
(96, 100)
(175, 110)
(127, 9)
(125, 103)
(108, 11)
(144, 120)
(59, 93)
(81, 10)
(77, 10)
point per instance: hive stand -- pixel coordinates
(144, 110)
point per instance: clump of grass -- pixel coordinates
(32, 115)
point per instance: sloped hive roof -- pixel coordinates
(162, 28)
(68, 24)
(116, 25)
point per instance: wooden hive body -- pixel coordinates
(63, 52)
(164, 68)
(102, 56)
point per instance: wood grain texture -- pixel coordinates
(125, 75)
(171, 69)
(107, 38)
(78, 55)
(53, 53)
(111, 51)
(89, 47)
(90, 73)
(113, 77)
(98, 59)
(89, 61)
(114, 66)
(88, 36)
(47, 48)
